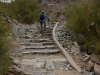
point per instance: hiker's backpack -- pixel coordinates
(42, 17)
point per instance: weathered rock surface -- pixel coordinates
(97, 68)
(66, 38)
(40, 64)
(89, 65)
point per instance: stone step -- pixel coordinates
(38, 49)
(41, 47)
(41, 52)
(48, 43)
(43, 40)
(46, 34)
(32, 44)
(48, 31)
(50, 46)
(31, 31)
(35, 47)
(27, 36)
(43, 67)
(37, 44)
(37, 40)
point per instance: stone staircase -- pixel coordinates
(40, 55)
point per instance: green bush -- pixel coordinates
(83, 17)
(4, 47)
(25, 11)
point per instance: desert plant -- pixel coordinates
(83, 17)
(4, 47)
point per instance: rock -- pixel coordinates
(71, 52)
(86, 55)
(97, 68)
(91, 73)
(16, 61)
(86, 59)
(19, 54)
(49, 66)
(68, 66)
(75, 44)
(51, 74)
(87, 73)
(66, 69)
(60, 64)
(83, 56)
(95, 59)
(96, 73)
(83, 64)
(61, 68)
(75, 50)
(28, 36)
(89, 65)
(15, 21)
(84, 70)
(65, 48)
(68, 50)
(74, 54)
(91, 49)
(40, 64)
(67, 44)
(37, 73)
(15, 68)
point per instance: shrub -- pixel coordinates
(4, 47)
(83, 17)
(25, 11)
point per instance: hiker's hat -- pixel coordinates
(42, 11)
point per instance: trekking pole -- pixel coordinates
(49, 24)
(38, 25)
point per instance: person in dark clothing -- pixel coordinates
(42, 21)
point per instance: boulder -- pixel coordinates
(95, 59)
(86, 59)
(66, 69)
(97, 68)
(28, 36)
(89, 65)
(96, 73)
(75, 44)
(68, 66)
(15, 70)
(86, 55)
(16, 62)
(75, 50)
(40, 64)
(49, 66)
(91, 73)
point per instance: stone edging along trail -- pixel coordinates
(71, 61)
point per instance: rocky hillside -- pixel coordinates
(54, 8)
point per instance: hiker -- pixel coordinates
(42, 21)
